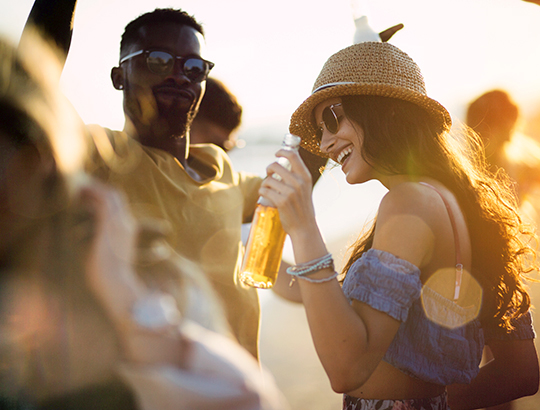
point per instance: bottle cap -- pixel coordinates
(291, 140)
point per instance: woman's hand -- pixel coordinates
(291, 194)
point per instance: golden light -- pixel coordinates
(438, 298)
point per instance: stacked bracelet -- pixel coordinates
(315, 265)
(303, 269)
(311, 280)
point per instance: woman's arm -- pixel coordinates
(284, 288)
(513, 373)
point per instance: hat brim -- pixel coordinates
(302, 123)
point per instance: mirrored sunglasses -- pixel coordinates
(330, 121)
(161, 63)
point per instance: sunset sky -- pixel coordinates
(269, 53)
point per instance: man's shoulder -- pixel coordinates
(210, 155)
(98, 133)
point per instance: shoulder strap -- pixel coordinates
(459, 265)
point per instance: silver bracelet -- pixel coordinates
(311, 280)
(315, 265)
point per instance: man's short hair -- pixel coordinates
(220, 106)
(158, 16)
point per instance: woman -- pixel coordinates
(441, 267)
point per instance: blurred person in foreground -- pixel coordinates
(84, 323)
(219, 117)
(162, 74)
(440, 275)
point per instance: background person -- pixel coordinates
(219, 117)
(494, 116)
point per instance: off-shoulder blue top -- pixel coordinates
(421, 347)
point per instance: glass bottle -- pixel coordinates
(266, 236)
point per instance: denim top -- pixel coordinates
(421, 347)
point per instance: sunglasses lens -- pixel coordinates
(330, 120)
(160, 62)
(195, 69)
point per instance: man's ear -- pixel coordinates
(117, 77)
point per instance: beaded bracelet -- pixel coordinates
(315, 265)
(311, 280)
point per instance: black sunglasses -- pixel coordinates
(330, 121)
(161, 63)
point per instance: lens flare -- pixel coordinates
(438, 298)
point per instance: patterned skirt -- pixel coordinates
(432, 403)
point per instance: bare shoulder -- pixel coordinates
(407, 222)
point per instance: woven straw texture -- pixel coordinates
(366, 69)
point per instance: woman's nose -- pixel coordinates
(327, 141)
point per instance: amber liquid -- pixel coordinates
(264, 248)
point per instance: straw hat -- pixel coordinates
(370, 68)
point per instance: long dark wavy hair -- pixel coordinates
(402, 138)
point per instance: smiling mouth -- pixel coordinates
(343, 155)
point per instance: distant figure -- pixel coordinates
(493, 116)
(219, 117)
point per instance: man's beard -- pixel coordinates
(166, 120)
(174, 121)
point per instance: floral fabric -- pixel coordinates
(431, 403)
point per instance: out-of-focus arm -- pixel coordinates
(54, 21)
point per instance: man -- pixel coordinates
(162, 73)
(162, 76)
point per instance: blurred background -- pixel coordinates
(269, 54)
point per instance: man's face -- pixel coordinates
(165, 104)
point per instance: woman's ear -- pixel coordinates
(117, 77)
